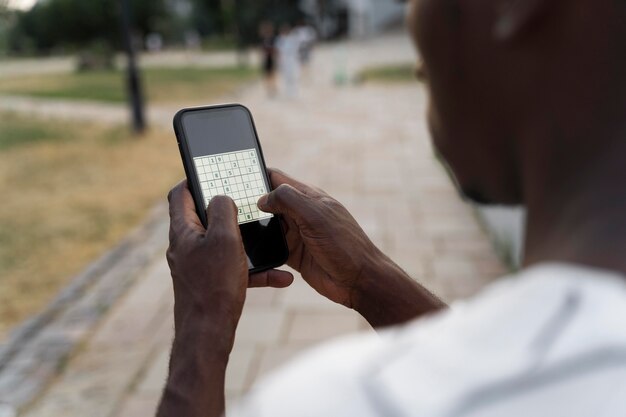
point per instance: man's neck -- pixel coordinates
(580, 217)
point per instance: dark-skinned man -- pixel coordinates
(527, 106)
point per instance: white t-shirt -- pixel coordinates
(288, 49)
(549, 341)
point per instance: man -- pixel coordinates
(268, 57)
(527, 106)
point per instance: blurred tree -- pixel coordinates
(54, 25)
(209, 17)
(78, 24)
(5, 17)
(133, 80)
(240, 19)
(4, 8)
(253, 12)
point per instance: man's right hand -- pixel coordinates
(335, 256)
(326, 244)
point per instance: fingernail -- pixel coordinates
(262, 203)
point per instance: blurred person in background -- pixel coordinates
(527, 103)
(288, 45)
(154, 42)
(268, 57)
(307, 36)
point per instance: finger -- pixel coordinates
(288, 201)
(273, 278)
(278, 178)
(182, 209)
(222, 213)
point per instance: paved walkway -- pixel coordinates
(368, 147)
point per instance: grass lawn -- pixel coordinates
(70, 192)
(162, 85)
(397, 73)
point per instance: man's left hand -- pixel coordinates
(209, 267)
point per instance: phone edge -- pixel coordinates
(188, 165)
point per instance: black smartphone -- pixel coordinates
(222, 155)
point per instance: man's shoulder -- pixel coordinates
(539, 320)
(538, 328)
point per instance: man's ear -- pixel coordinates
(514, 17)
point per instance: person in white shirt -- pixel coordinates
(527, 107)
(306, 37)
(288, 46)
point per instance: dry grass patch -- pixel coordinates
(161, 85)
(69, 193)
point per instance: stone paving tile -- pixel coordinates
(135, 316)
(95, 380)
(140, 405)
(98, 376)
(261, 297)
(300, 296)
(153, 380)
(316, 325)
(369, 147)
(260, 325)
(239, 368)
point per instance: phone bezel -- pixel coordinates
(192, 177)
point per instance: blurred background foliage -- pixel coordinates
(69, 26)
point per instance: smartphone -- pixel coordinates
(222, 155)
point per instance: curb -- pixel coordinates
(37, 350)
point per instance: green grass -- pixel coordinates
(17, 131)
(397, 73)
(161, 85)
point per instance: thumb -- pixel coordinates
(285, 200)
(221, 213)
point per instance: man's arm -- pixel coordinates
(335, 256)
(195, 386)
(386, 295)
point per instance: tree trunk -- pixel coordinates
(216, 8)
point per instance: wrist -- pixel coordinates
(378, 272)
(197, 372)
(210, 332)
(387, 295)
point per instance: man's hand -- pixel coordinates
(335, 256)
(210, 275)
(209, 266)
(326, 244)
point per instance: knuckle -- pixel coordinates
(329, 202)
(317, 191)
(331, 205)
(283, 193)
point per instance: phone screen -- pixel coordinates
(223, 157)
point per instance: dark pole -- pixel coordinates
(242, 58)
(133, 80)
